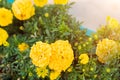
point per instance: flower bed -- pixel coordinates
(39, 41)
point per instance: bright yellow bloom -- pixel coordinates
(62, 55)
(60, 1)
(40, 54)
(42, 72)
(23, 46)
(54, 75)
(6, 43)
(6, 17)
(106, 50)
(23, 9)
(40, 3)
(46, 14)
(84, 59)
(3, 36)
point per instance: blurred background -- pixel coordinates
(94, 12)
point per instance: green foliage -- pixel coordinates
(15, 64)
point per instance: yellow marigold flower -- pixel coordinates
(40, 54)
(84, 59)
(23, 9)
(60, 1)
(40, 3)
(23, 46)
(62, 55)
(3, 36)
(106, 50)
(54, 75)
(42, 72)
(6, 17)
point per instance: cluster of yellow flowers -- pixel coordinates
(3, 36)
(57, 56)
(111, 30)
(114, 27)
(23, 10)
(6, 17)
(106, 50)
